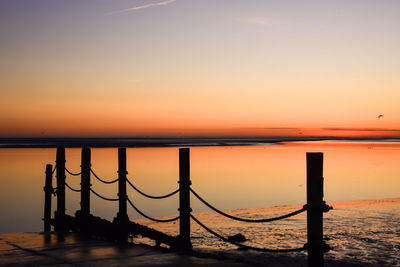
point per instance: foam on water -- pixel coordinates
(360, 233)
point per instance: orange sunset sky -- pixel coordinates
(199, 67)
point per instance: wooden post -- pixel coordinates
(122, 218)
(122, 182)
(184, 199)
(48, 190)
(60, 173)
(85, 182)
(85, 192)
(315, 204)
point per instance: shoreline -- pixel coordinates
(106, 142)
(73, 251)
(52, 249)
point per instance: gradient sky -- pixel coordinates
(119, 67)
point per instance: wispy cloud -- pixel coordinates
(273, 128)
(363, 129)
(270, 22)
(155, 4)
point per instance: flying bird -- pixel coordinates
(380, 116)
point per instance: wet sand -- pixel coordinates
(33, 249)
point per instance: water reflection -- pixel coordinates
(228, 177)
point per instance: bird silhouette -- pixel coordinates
(380, 116)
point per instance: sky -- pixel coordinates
(199, 67)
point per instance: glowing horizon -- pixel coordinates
(275, 133)
(224, 68)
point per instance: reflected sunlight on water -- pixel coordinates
(228, 177)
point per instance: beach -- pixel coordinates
(245, 181)
(361, 233)
(172, 113)
(34, 249)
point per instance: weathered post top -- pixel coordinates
(315, 174)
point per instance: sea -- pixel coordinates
(361, 182)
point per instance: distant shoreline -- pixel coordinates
(104, 142)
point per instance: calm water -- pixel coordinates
(246, 178)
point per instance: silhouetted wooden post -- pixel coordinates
(48, 190)
(122, 218)
(60, 173)
(85, 182)
(85, 189)
(184, 199)
(315, 180)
